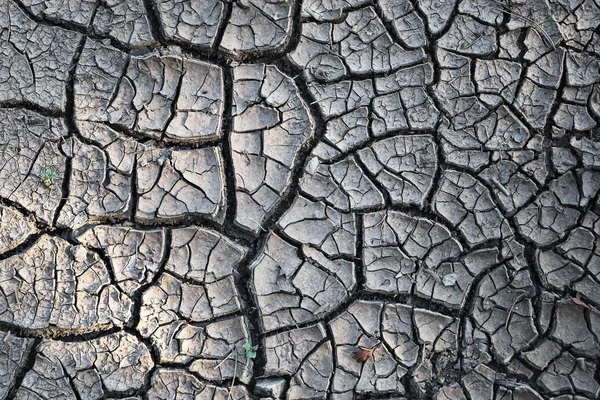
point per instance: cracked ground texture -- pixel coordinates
(390, 199)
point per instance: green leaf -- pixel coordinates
(48, 176)
(250, 350)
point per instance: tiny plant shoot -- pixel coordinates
(48, 177)
(250, 350)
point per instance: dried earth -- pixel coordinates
(390, 199)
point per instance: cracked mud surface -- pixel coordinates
(391, 199)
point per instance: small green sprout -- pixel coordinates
(250, 350)
(48, 177)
